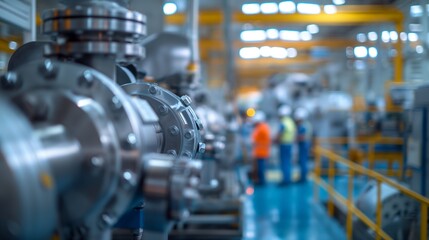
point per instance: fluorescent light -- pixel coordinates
(265, 51)
(170, 8)
(361, 37)
(253, 35)
(292, 52)
(289, 35)
(249, 53)
(419, 49)
(330, 9)
(339, 2)
(372, 36)
(305, 36)
(287, 7)
(278, 52)
(385, 36)
(250, 8)
(360, 52)
(393, 36)
(403, 36)
(416, 11)
(313, 28)
(372, 52)
(269, 8)
(308, 8)
(13, 45)
(415, 27)
(272, 33)
(413, 37)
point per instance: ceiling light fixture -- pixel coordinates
(170, 8)
(287, 7)
(308, 8)
(250, 8)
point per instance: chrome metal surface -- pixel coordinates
(27, 192)
(95, 27)
(177, 120)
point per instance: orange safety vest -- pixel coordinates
(261, 141)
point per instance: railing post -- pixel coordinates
(423, 221)
(331, 186)
(317, 173)
(371, 155)
(378, 211)
(349, 223)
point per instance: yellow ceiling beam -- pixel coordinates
(346, 15)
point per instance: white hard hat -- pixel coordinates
(259, 117)
(301, 113)
(285, 110)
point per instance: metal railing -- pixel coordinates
(371, 154)
(352, 210)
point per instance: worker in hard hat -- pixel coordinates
(261, 140)
(286, 139)
(304, 136)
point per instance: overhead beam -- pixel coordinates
(346, 15)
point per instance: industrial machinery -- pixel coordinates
(216, 210)
(76, 149)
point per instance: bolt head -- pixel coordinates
(48, 69)
(163, 109)
(129, 178)
(201, 147)
(199, 124)
(132, 139)
(189, 135)
(116, 103)
(186, 100)
(172, 152)
(153, 90)
(97, 161)
(87, 79)
(10, 81)
(187, 154)
(174, 130)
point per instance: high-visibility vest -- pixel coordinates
(289, 131)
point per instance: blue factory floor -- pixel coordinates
(289, 212)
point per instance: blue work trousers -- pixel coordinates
(286, 162)
(261, 170)
(303, 152)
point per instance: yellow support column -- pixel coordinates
(399, 61)
(423, 221)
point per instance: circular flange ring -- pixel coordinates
(122, 151)
(177, 119)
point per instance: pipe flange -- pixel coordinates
(27, 186)
(95, 27)
(102, 105)
(178, 121)
(122, 51)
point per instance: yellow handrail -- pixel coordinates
(351, 208)
(371, 155)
